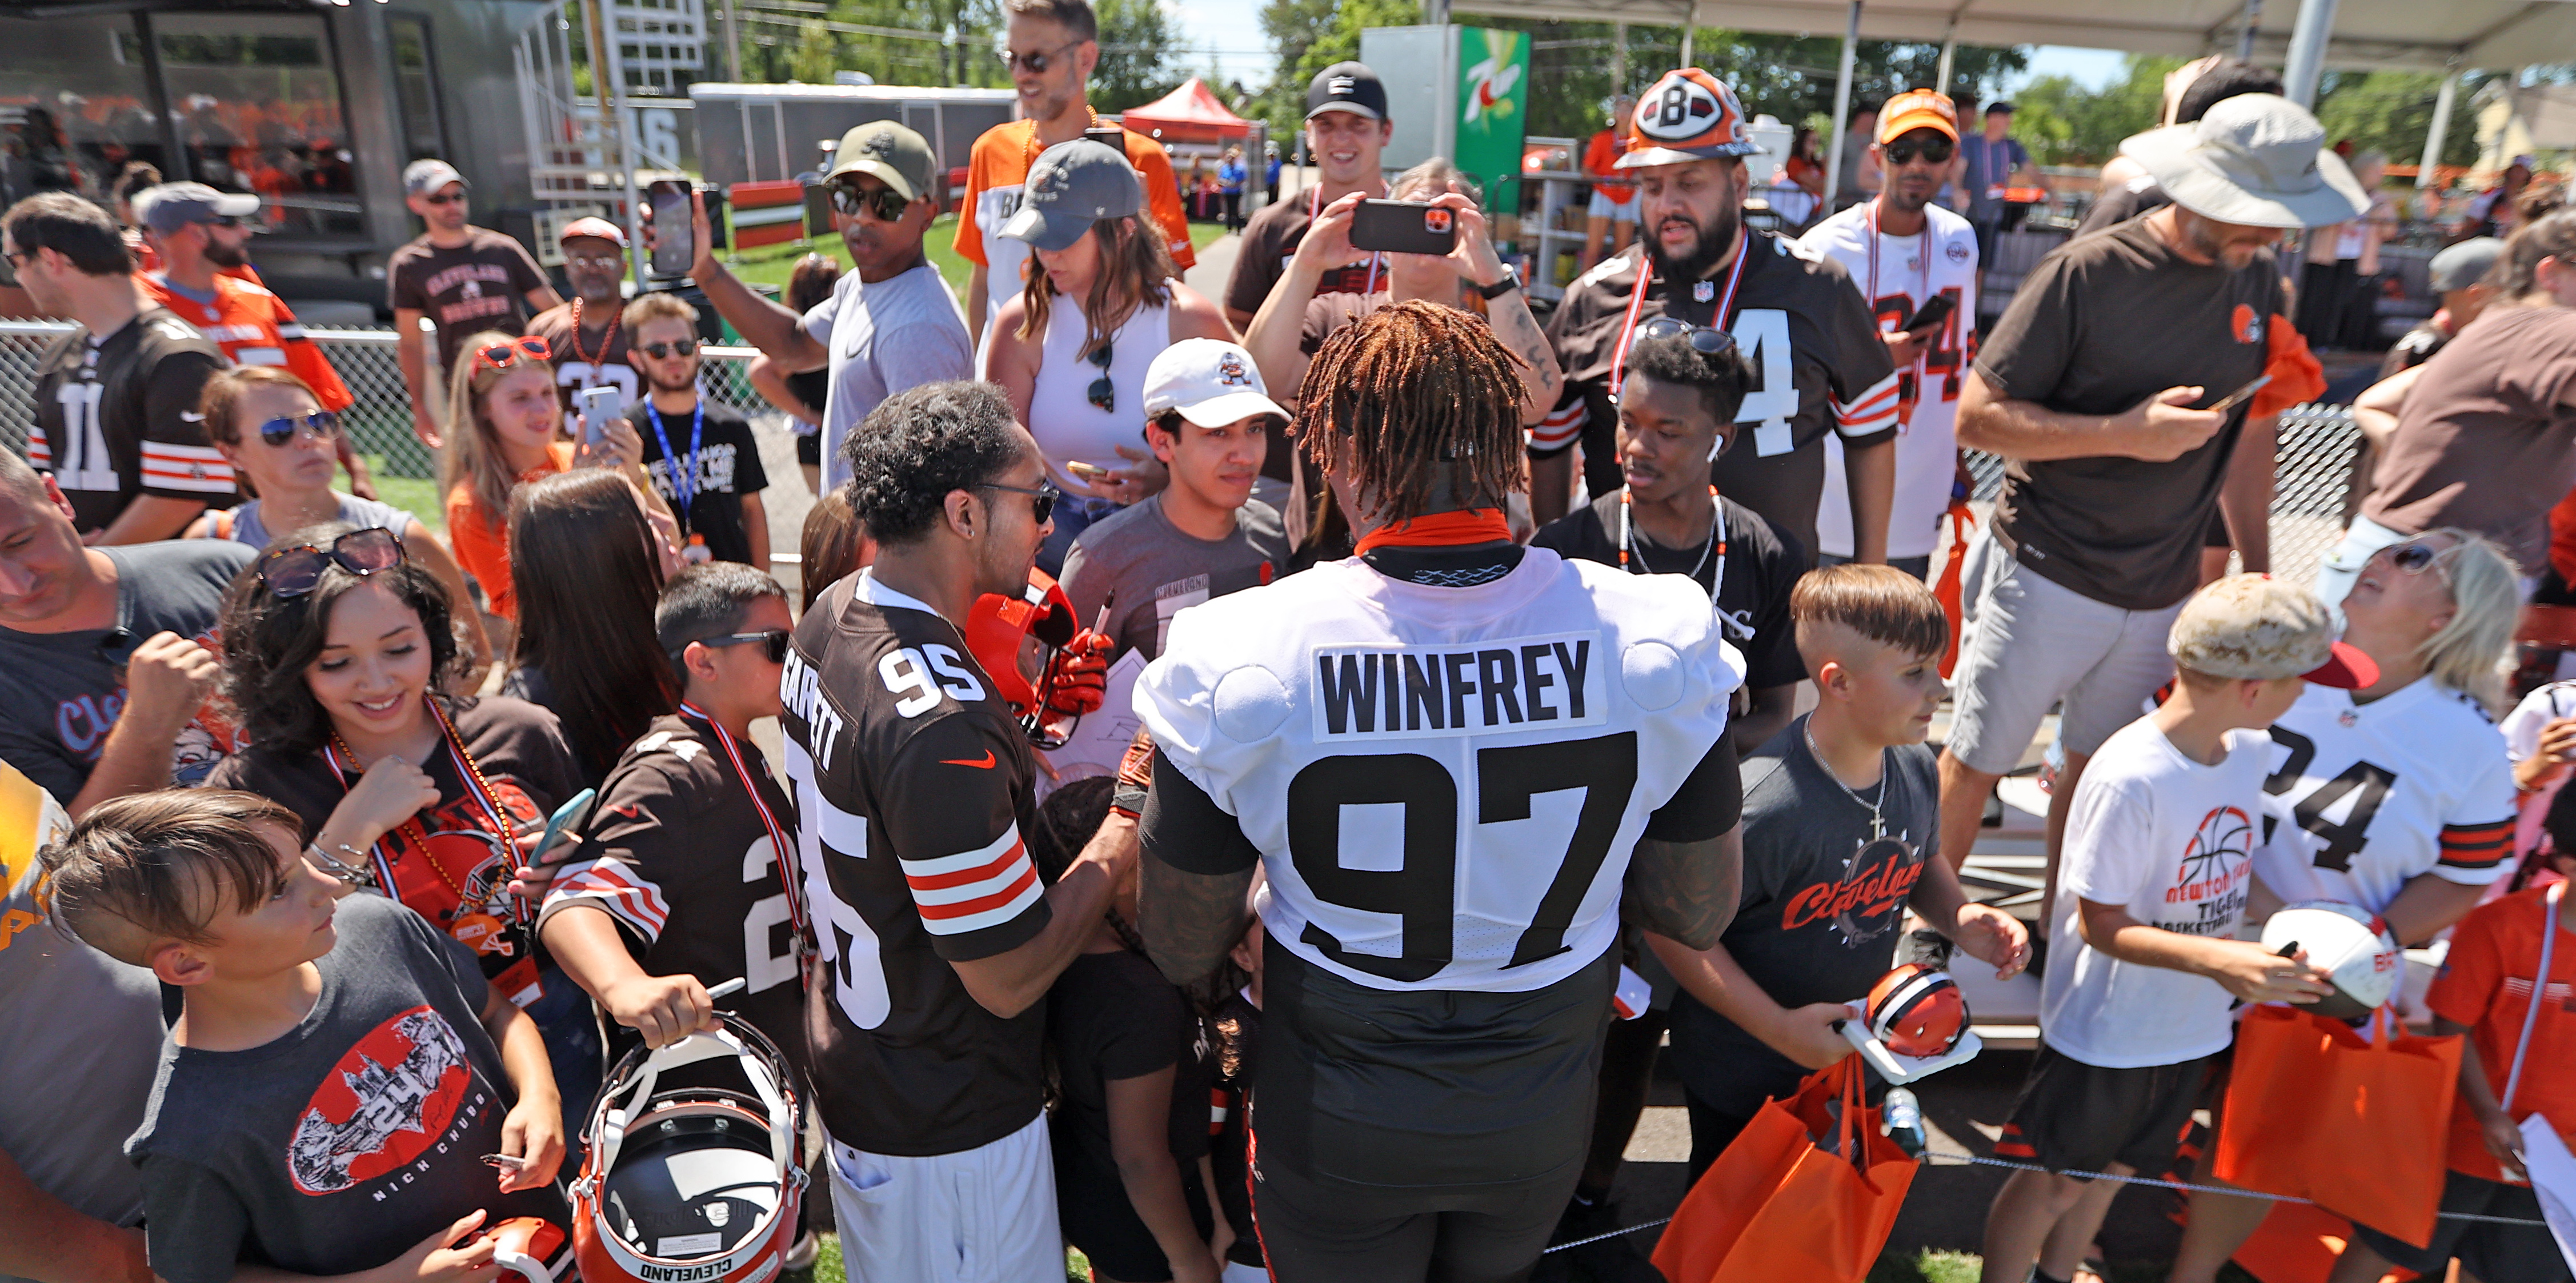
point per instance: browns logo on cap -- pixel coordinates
(1688, 115)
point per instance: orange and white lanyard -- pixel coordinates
(472, 776)
(1637, 302)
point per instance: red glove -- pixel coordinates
(1078, 676)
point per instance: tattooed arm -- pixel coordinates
(1686, 891)
(1195, 879)
(1542, 382)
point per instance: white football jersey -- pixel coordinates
(2522, 728)
(1445, 784)
(1939, 261)
(2362, 797)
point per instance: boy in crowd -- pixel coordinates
(1677, 408)
(2520, 1060)
(701, 455)
(336, 1069)
(2157, 866)
(1841, 827)
(1208, 418)
(691, 845)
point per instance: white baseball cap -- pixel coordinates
(1209, 381)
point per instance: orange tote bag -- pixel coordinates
(1787, 1200)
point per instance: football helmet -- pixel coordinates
(690, 1183)
(1917, 1011)
(998, 624)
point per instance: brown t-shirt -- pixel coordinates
(1270, 239)
(2487, 439)
(2103, 323)
(480, 285)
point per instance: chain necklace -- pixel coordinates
(1877, 825)
(411, 827)
(605, 343)
(1715, 544)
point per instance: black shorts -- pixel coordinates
(2072, 1116)
(809, 449)
(1314, 1232)
(1092, 1210)
(2521, 1253)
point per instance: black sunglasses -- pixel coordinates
(1034, 63)
(1103, 393)
(293, 572)
(657, 351)
(1936, 150)
(1703, 340)
(2415, 558)
(774, 641)
(323, 424)
(445, 198)
(1042, 507)
(885, 204)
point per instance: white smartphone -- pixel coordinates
(597, 405)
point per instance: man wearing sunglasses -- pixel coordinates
(891, 322)
(1904, 252)
(1050, 48)
(202, 237)
(701, 455)
(586, 334)
(464, 279)
(914, 782)
(1821, 367)
(116, 399)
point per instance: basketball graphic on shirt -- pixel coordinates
(2218, 851)
(388, 1101)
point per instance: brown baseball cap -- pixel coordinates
(2259, 628)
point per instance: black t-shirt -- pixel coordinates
(1231, 1051)
(914, 783)
(2103, 323)
(678, 852)
(461, 882)
(1113, 1016)
(1821, 907)
(728, 467)
(1760, 566)
(2414, 348)
(1819, 363)
(117, 418)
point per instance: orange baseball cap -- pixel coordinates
(1688, 115)
(1918, 109)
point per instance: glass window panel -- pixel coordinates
(415, 86)
(74, 107)
(258, 103)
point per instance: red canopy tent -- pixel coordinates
(1189, 114)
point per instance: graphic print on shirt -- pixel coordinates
(82, 721)
(394, 1095)
(2338, 811)
(1861, 905)
(2216, 873)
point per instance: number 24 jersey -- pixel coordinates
(1445, 784)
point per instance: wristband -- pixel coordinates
(1128, 800)
(349, 874)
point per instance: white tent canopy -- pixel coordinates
(2367, 34)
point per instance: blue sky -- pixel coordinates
(1233, 29)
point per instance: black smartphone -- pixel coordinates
(1109, 136)
(1404, 227)
(1934, 311)
(674, 240)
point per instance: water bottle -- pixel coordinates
(1901, 1117)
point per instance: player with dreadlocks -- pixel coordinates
(1378, 734)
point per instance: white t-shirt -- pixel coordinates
(2522, 729)
(2173, 841)
(897, 334)
(1482, 744)
(2362, 797)
(1941, 260)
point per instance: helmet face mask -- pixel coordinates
(693, 1183)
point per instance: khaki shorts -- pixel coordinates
(2028, 643)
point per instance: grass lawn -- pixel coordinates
(415, 495)
(769, 264)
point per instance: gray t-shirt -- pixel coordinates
(249, 527)
(60, 693)
(82, 1032)
(1158, 571)
(1822, 903)
(898, 333)
(341, 1144)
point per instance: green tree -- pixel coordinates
(2064, 123)
(2390, 112)
(1139, 55)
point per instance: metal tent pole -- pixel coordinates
(2441, 129)
(1690, 27)
(1949, 53)
(2308, 51)
(1842, 108)
(2246, 33)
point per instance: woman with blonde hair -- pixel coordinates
(1102, 300)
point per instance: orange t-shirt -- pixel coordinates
(1598, 157)
(2486, 984)
(1000, 166)
(482, 537)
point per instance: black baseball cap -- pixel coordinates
(1346, 86)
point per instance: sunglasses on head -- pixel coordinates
(885, 204)
(1935, 150)
(1103, 393)
(1034, 63)
(501, 356)
(678, 347)
(773, 640)
(1703, 340)
(322, 424)
(1042, 506)
(293, 572)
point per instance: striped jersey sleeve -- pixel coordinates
(951, 819)
(1872, 411)
(2478, 828)
(178, 462)
(1563, 425)
(614, 886)
(2476, 848)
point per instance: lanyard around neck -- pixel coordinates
(1637, 301)
(783, 852)
(684, 477)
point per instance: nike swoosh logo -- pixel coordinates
(985, 765)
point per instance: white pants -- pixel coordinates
(986, 1215)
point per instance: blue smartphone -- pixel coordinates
(561, 820)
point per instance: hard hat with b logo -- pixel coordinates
(1688, 115)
